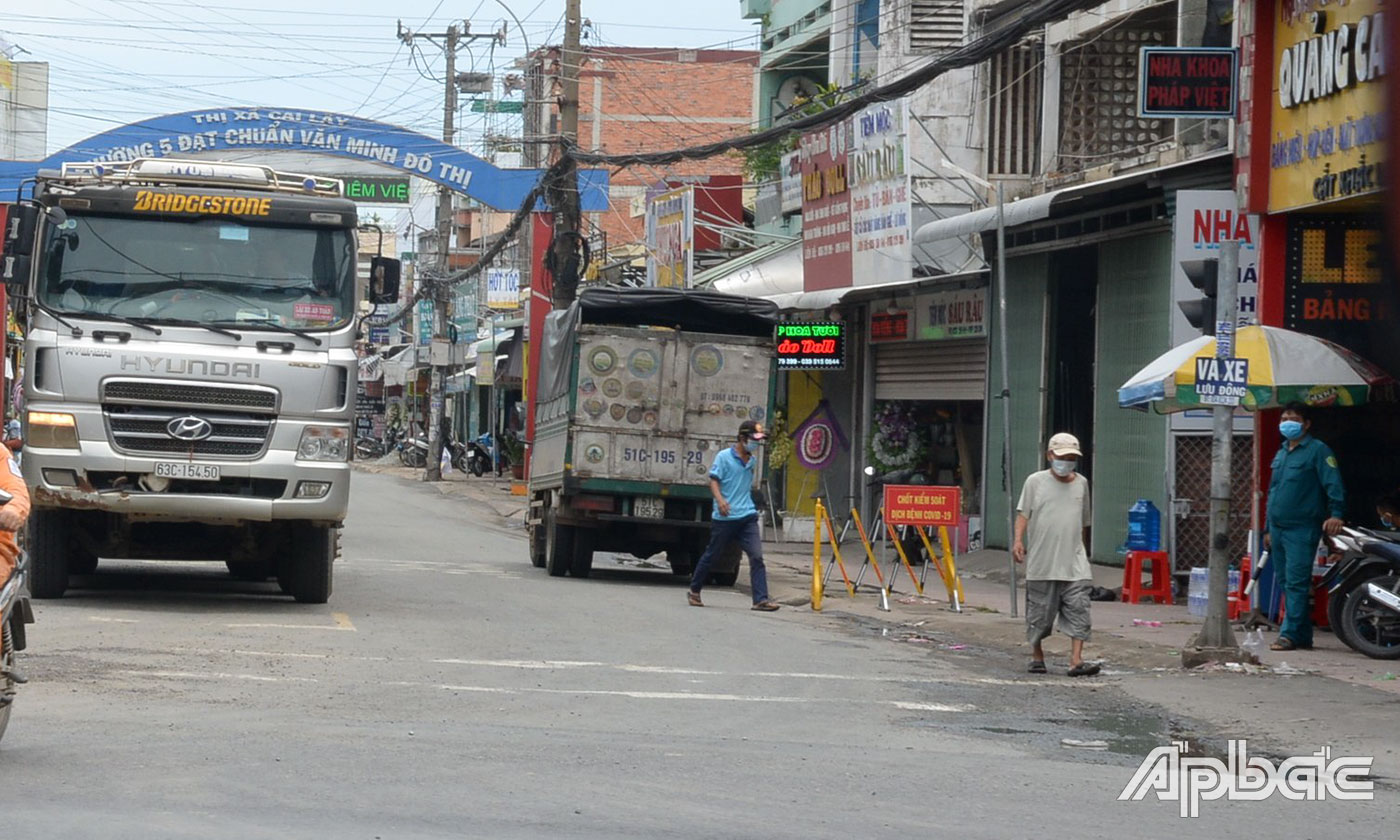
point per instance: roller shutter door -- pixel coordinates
(931, 370)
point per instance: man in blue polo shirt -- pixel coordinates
(735, 519)
(1306, 500)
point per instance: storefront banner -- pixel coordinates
(888, 326)
(424, 318)
(826, 208)
(878, 177)
(464, 311)
(805, 345)
(816, 439)
(1327, 111)
(670, 238)
(1204, 219)
(790, 173)
(953, 314)
(503, 288)
(914, 504)
(1187, 82)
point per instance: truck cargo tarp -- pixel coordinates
(684, 309)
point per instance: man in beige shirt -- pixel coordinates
(1054, 513)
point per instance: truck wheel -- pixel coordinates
(727, 565)
(560, 547)
(681, 560)
(50, 547)
(305, 570)
(584, 540)
(538, 546)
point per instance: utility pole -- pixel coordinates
(563, 193)
(441, 289)
(1217, 639)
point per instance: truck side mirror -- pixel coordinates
(384, 280)
(20, 223)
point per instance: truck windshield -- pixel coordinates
(207, 270)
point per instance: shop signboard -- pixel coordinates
(1187, 82)
(1221, 381)
(1328, 118)
(959, 313)
(920, 505)
(424, 317)
(826, 208)
(670, 238)
(790, 178)
(376, 189)
(811, 346)
(878, 178)
(889, 326)
(503, 288)
(464, 311)
(1204, 219)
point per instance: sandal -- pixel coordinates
(1037, 666)
(693, 598)
(1283, 643)
(1084, 669)
(765, 606)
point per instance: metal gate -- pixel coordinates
(931, 370)
(1191, 499)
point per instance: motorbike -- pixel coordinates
(367, 448)
(1355, 567)
(413, 451)
(15, 613)
(479, 455)
(457, 452)
(1368, 609)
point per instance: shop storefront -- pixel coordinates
(1316, 173)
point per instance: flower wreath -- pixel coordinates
(895, 439)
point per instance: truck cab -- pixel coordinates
(190, 368)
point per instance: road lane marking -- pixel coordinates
(110, 620)
(342, 621)
(216, 675)
(524, 664)
(708, 697)
(270, 626)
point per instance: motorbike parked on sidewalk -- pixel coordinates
(15, 613)
(368, 449)
(1368, 609)
(413, 451)
(1354, 567)
(479, 455)
(457, 452)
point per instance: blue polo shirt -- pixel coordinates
(735, 484)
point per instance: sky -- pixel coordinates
(117, 61)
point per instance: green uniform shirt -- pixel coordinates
(1306, 486)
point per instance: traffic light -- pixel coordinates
(1204, 275)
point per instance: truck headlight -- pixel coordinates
(324, 443)
(52, 430)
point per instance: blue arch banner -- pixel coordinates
(319, 132)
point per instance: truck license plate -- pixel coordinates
(649, 507)
(189, 472)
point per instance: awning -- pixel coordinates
(824, 298)
(771, 270)
(1037, 207)
(397, 367)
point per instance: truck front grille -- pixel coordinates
(142, 431)
(183, 395)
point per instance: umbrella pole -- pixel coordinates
(1217, 639)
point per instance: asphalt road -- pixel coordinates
(451, 690)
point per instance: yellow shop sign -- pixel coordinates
(1328, 115)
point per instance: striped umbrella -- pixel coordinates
(1284, 366)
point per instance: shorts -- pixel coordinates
(1069, 599)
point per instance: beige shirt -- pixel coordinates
(1057, 512)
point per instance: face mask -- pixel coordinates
(751, 446)
(1062, 468)
(1387, 523)
(1291, 429)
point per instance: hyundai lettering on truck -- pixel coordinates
(189, 367)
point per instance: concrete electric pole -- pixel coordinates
(440, 288)
(563, 193)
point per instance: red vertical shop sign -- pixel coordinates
(826, 208)
(537, 307)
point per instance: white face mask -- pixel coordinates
(1062, 468)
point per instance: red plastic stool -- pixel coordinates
(1134, 590)
(1239, 603)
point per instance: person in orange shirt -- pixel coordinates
(12, 515)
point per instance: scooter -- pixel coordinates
(413, 451)
(15, 613)
(1363, 559)
(479, 456)
(1370, 612)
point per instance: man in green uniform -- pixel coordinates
(1306, 499)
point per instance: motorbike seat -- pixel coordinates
(1381, 548)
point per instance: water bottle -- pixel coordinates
(1144, 526)
(1198, 592)
(1254, 643)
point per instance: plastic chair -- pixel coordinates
(1160, 588)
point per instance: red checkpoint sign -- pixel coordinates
(917, 504)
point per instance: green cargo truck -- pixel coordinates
(638, 390)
